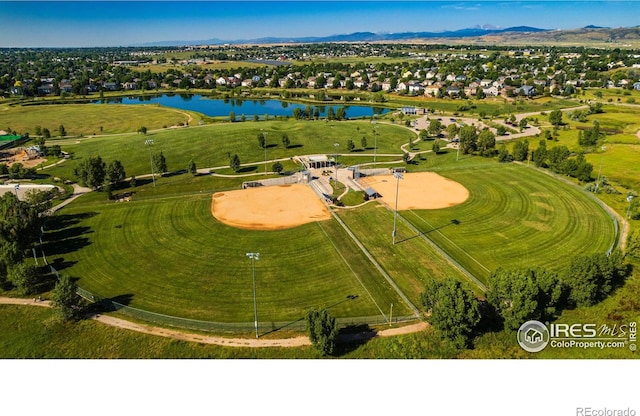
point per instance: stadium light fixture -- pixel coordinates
(398, 176)
(254, 257)
(149, 143)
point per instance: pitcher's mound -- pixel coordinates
(269, 207)
(422, 190)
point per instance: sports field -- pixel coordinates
(165, 252)
(170, 255)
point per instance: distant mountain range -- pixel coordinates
(359, 37)
(485, 34)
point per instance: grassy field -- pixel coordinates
(166, 253)
(88, 119)
(210, 146)
(515, 217)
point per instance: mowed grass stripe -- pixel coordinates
(173, 257)
(363, 272)
(410, 262)
(517, 217)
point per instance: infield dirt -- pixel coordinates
(269, 207)
(423, 190)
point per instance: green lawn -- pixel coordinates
(164, 252)
(210, 146)
(515, 217)
(87, 119)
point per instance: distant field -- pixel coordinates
(88, 119)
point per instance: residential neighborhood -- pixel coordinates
(426, 70)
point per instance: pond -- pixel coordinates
(223, 107)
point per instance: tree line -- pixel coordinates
(519, 295)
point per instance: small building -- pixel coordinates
(371, 193)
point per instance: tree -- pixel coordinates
(591, 278)
(285, 141)
(192, 167)
(524, 294)
(160, 163)
(633, 245)
(350, 145)
(277, 167)
(521, 150)
(62, 130)
(452, 131)
(363, 142)
(91, 172)
(436, 146)
(142, 130)
(555, 117)
(468, 139)
(262, 140)
(501, 130)
(322, 330)
(115, 172)
(435, 127)
(454, 309)
(232, 116)
(24, 277)
(486, 143)
(556, 156)
(46, 133)
(66, 300)
(540, 154)
(503, 154)
(234, 162)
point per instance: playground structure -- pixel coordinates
(27, 156)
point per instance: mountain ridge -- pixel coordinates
(356, 37)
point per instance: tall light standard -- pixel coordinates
(254, 257)
(149, 143)
(264, 134)
(336, 145)
(604, 149)
(398, 176)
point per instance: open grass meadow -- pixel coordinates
(210, 146)
(90, 119)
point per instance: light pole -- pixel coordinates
(149, 143)
(254, 257)
(336, 145)
(398, 176)
(604, 149)
(15, 188)
(629, 199)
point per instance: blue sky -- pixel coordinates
(111, 23)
